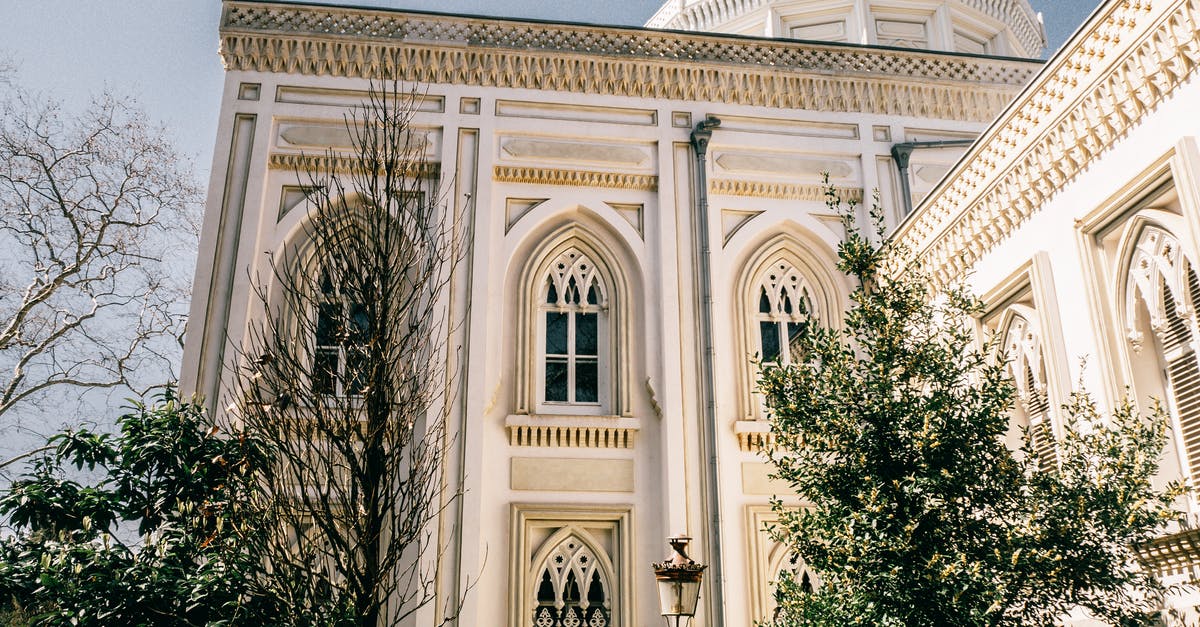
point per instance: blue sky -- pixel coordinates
(164, 52)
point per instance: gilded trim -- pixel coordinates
(782, 191)
(574, 178)
(363, 43)
(341, 164)
(1072, 115)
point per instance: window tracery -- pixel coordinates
(784, 306)
(1161, 281)
(1025, 362)
(570, 589)
(573, 325)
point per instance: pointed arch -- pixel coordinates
(573, 266)
(783, 560)
(1022, 348)
(1158, 290)
(785, 282)
(571, 582)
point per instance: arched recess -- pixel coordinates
(299, 292)
(1158, 291)
(783, 560)
(616, 269)
(571, 583)
(1023, 350)
(803, 272)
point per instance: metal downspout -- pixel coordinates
(700, 137)
(901, 153)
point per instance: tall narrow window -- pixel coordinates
(1023, 351)
(342, 331)
(1163, 283)
(783, 309)
(574, 305)
(571, 590)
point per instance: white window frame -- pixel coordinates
(781, 280)
(573, 263)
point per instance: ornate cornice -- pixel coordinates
(574, 178)
(341, 164)
(640, 63)
(782, 191)
(1071, 115)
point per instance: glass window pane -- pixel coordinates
(592, 298)
(585, 334)
(556, 333)
(769, 334)
(327, 323)
(572, 292)
(354, 379)
(794, 330)
(324, 375)
(556, 380)
(587, 385)
(764, 303)
(552, 294)
(360, 325)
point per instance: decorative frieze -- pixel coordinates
(574, 178)
(341, 164)
(1074, 113)
(1172, 555)
(364, 43)
(782, 191)
(571, 436)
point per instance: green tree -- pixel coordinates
(891, 426)
(165, 534)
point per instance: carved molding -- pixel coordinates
(341, 164)
(782, 191)
(574, 178)
(364, 43)
(1071, 116)
(560, 436)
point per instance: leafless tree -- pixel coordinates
(97, 217)
(346, 377)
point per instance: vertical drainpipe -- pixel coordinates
(700, 137)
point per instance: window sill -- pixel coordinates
(561, 431)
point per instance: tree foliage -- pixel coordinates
(165, 534)
(345, 377)
(891, 427)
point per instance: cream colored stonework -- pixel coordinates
(551, 140)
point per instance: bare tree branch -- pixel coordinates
(94, 211)
(347, 377)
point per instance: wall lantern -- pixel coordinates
(678, 584)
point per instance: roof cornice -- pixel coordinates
(434, 48)
(1116, 70)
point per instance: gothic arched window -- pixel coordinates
(794, 567)
(784, 306)
(573, 332)
(1162, 283)
(570, 589)
(1022, 348)
(342, 331)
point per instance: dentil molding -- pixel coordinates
(1118, 71)
(364, 43)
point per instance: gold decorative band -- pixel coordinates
(783, 191)
(574, 178)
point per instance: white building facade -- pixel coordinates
(627, 259)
